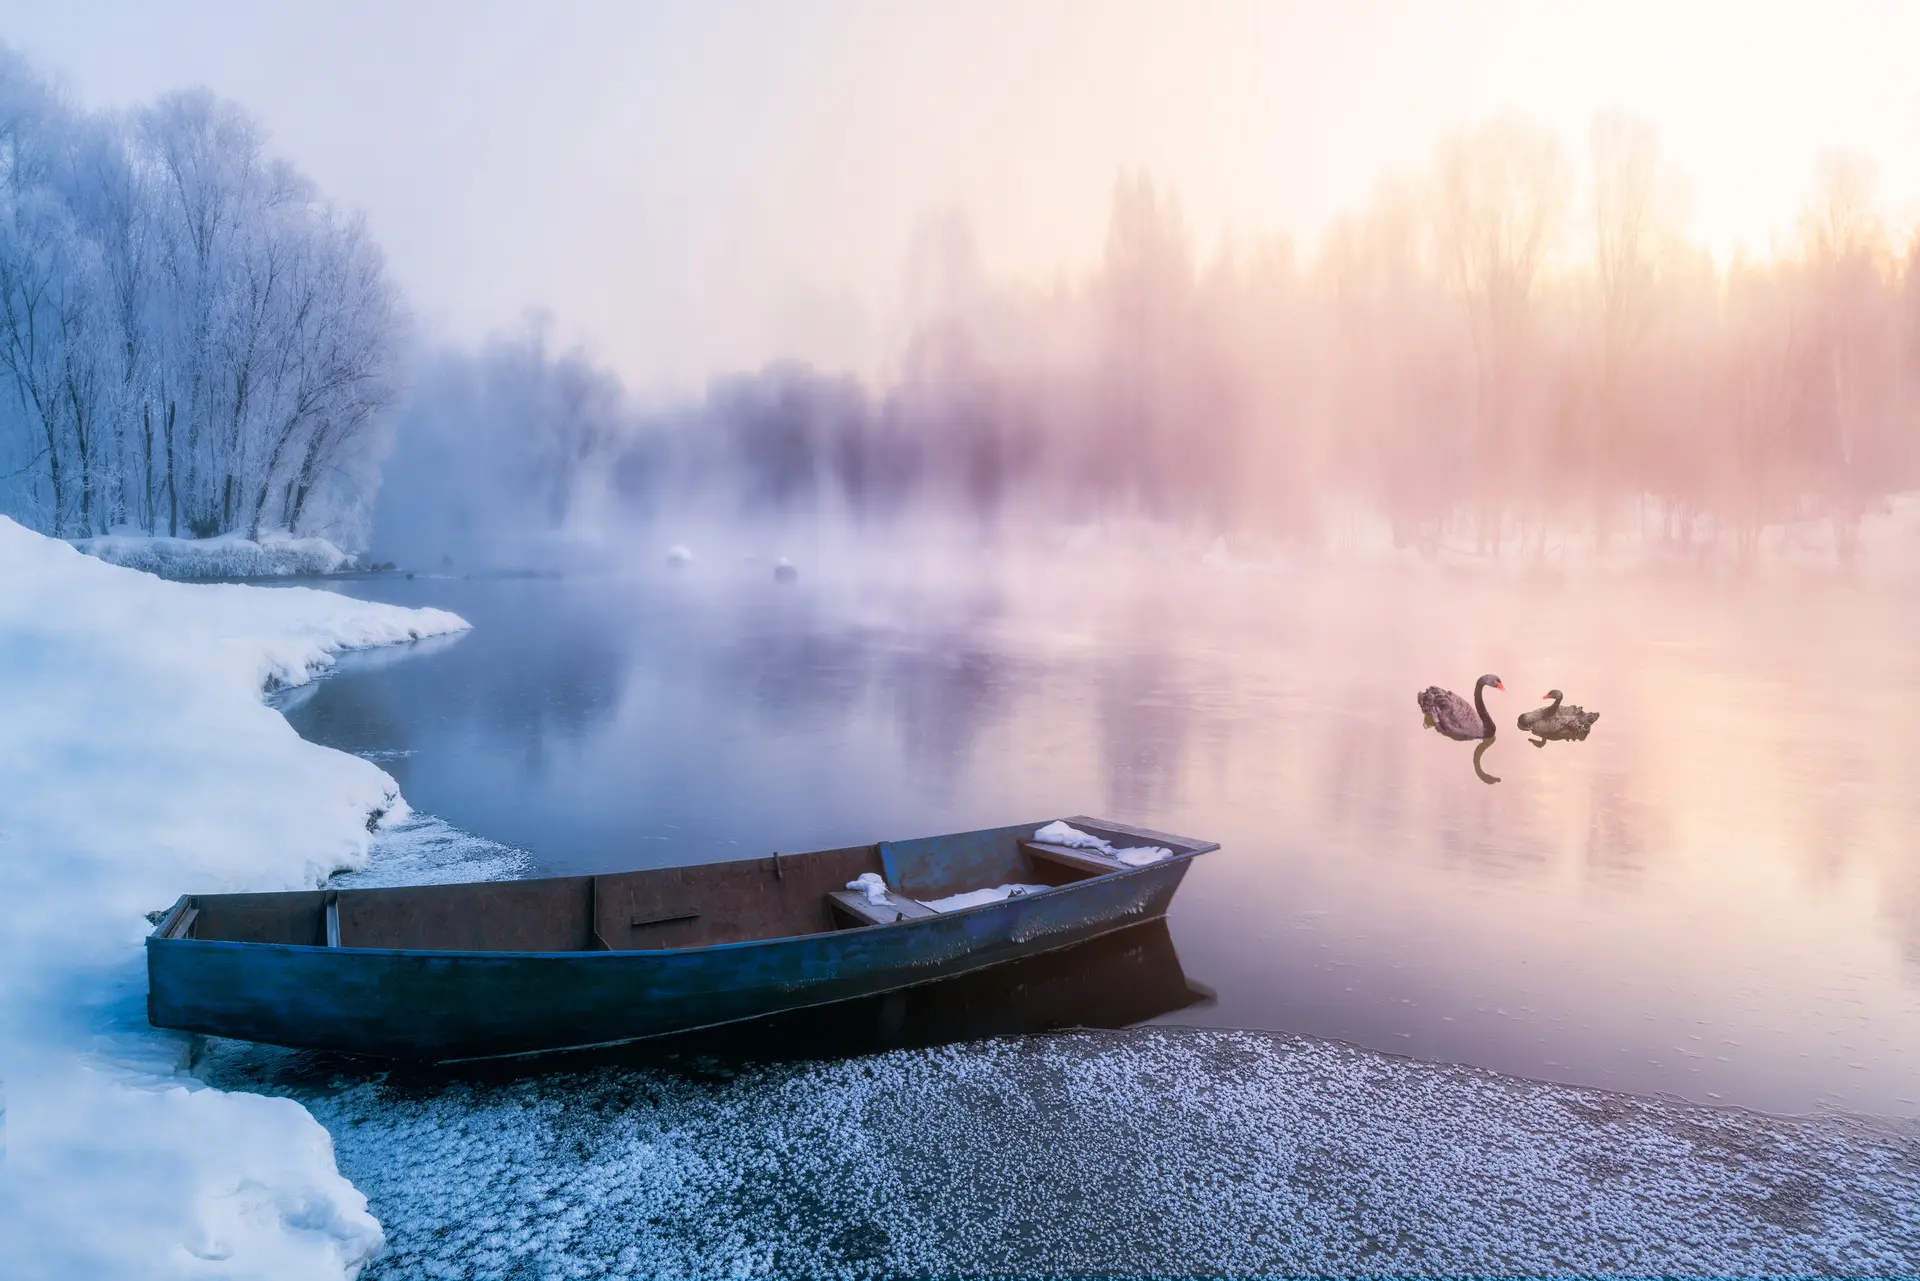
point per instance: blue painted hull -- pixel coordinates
(441, 1005)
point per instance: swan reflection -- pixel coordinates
(1478, 752)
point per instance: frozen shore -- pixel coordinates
(275, 554)
(1152, 1152)
(140, 763)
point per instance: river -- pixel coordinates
(1715, 897)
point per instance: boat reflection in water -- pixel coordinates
(1114, 981)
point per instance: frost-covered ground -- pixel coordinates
(273, 554)
(1150, 1152)
(137, 762)
(419, 849)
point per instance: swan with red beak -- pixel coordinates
(1454, 716)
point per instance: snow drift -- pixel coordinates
(140, 763)
(273, 554)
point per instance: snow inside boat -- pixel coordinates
(439, 972)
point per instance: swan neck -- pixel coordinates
(1480, 706)
(1553, 707)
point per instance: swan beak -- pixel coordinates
(1501, 686)
(1545, 697)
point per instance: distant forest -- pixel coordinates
(1489, 350)
(192, 342)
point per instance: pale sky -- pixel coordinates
(691, 188)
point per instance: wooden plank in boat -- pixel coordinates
(1078, 859)
(1145, 835)
(910, 909)
(860, 909)
(662, 916)
(896, 908)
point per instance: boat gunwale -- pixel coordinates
(154, 938)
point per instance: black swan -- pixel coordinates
(1571, 721)
(1453, 716)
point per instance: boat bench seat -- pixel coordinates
(896, 908)
(1080, 860)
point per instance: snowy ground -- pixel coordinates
(140, 762)
(419, 849)
(1150, 1152)
(273, 554)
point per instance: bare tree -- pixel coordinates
(186, 330)
(1501, 203)
(1638, 208)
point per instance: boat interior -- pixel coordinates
(778, 896)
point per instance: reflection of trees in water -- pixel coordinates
(1830, 827)
(1900, 905)
(562, 685)
(1302, 731)
(1862, 807)
(353, 715)
(942, 686)
(798, 676)
(542, 663)
(1617, 822)
(943, 694)
(1144, 719)
(1494, 830)
(559, 680)
(938, 686)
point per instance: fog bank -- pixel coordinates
(1477, 359)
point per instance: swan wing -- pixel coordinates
(1453, 714)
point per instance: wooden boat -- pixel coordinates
(441, 972)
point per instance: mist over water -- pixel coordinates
(1178, 540)
(1714, 896)
(1490, 356)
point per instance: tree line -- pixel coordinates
(192, 341)
(1492, 348)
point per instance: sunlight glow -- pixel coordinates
(697, 188)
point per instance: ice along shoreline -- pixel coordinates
(143, 762)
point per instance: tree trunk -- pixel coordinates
(173, 483)
(83, 446)
(53, 474)
(266, 482)
(146, 453)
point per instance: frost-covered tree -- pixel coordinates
(499, 449)
(192, 341)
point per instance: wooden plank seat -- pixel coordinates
(1080, 860)
(179, 922)
(896, 908)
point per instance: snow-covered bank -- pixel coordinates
(273, 554)
(140, 762)
(1181, 1153)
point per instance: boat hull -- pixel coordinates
(444, 1005)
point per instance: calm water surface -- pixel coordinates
(1716, 896)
